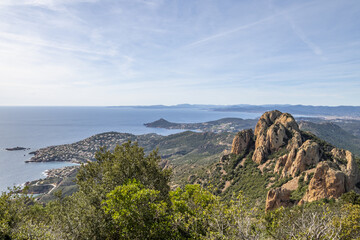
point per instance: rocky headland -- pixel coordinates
(221, 125)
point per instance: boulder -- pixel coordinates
(278, 197)
(326, 183)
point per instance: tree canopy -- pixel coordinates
(125, 194)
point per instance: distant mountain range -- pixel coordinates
(306, 110)
(349, 111)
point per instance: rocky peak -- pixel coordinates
(328, 172)
(266, 120)
(273, 131)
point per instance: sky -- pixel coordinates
(147, 52)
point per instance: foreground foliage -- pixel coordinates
(125, 195)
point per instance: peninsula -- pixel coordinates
(221, 125)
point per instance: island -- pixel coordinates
(17, 149)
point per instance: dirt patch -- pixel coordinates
(227, 184)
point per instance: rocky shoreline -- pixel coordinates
(54, 178)
(60, 172)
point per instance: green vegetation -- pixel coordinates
(325, 145)
(278, 153)
(335, 134)
(240, 174)
(250, 180)
(299, 193)
(125, 194)
(186, 152)
(134, 207)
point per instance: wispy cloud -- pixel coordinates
(297, 30)
(51, 4)
(22, 39)
(251, 25)
(168, 52)
(302, 36)
(223, 34)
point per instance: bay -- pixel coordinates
(37, 127)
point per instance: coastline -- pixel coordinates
(53, 178)
(40, 127)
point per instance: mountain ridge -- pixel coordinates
(292, 165)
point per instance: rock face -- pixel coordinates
(278, 197)
(273, 131)
(281, 196)
(326, 183)
(243, 141)
(350, 169)
(326, 171)
(307, 157)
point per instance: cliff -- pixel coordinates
(297, 167)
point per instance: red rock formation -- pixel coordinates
(244, 140)
(276, 131)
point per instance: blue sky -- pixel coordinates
(139, 52)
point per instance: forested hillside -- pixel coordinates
(125, 194)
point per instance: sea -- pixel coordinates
(38, 127)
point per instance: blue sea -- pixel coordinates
(38, 127)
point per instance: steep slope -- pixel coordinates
(287, 165)
(333, 134)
